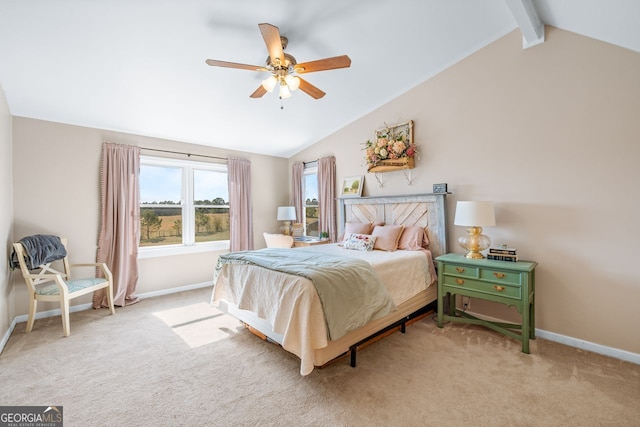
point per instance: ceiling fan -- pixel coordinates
(284, 68)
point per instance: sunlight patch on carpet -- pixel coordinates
(199, 324)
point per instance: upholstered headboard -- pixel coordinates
(424, 210)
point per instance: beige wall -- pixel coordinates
(7, 312)
(550, 134)
(56, 191)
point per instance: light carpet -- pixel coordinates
(176, 361)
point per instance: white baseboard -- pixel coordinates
(576, 342)
(7, 334)
(175, 290)
(88, 306)
(590, 346)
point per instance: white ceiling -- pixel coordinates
(138, 66)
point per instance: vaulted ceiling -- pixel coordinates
(138, 66)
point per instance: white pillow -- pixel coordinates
(359, 242)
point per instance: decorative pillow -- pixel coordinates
(356, 228)
(359, 242)
(413, 238)
(387, 237)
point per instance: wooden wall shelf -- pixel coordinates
(391, 165)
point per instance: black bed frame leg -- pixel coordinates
(352, 350)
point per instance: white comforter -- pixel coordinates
(290, 304)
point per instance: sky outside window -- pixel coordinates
(311, 186)
(160, 184)
(164, 183)
(209, 185)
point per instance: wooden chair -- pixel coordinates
(48, 284)
(278, 240)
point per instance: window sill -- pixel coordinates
(161, 251)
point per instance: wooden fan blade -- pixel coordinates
(259, 93)
(271, 36)
(310, 89)
(216, 63)
(324, 64)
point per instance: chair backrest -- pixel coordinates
(31, 276)
(278, 240)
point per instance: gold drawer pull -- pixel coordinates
(499, 275)
(498, 288)
(460, 281)
(460, 269)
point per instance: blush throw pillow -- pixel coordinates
(413, 238)
(358, 242)
(387, 237)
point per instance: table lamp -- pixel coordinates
(475, 215)
(287, 214)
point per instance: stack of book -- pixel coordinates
(503, 253)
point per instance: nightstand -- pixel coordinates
(298, 243)
(510, 283)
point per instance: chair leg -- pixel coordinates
(64, 308)
(110, 298)
(33, 305)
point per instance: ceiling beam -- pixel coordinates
(527, 19)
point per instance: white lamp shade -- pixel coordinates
(286, 213)
(284, 92)
(292, 81)
(269, 83)
(475, 214)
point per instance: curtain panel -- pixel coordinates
(297, 191)
(327, 196)
(119, 221)
(240, 211)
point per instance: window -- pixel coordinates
(310, 198)
(183, 206)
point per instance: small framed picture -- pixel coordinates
(352, 186)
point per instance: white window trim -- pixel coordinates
(190, 247)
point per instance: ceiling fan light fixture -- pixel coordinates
(269, 83)
(284, 91)
(292, 81)
(282, 67)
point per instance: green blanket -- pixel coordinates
(350, 291)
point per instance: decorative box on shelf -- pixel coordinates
(390, 165)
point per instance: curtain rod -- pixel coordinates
(185, 154)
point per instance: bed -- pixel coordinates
(288, 308)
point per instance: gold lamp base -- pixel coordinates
(286, 228)
(474, 242)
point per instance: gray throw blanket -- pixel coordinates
(350, 291)
(39, 249)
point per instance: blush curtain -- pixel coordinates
(327, 196)
(297, 190)
(240, 211)
(119, 221)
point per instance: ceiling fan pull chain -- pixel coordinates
(281, 104)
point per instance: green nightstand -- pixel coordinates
(510, 283)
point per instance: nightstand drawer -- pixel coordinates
(503, 290)
(461, 270)
(501, 276)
